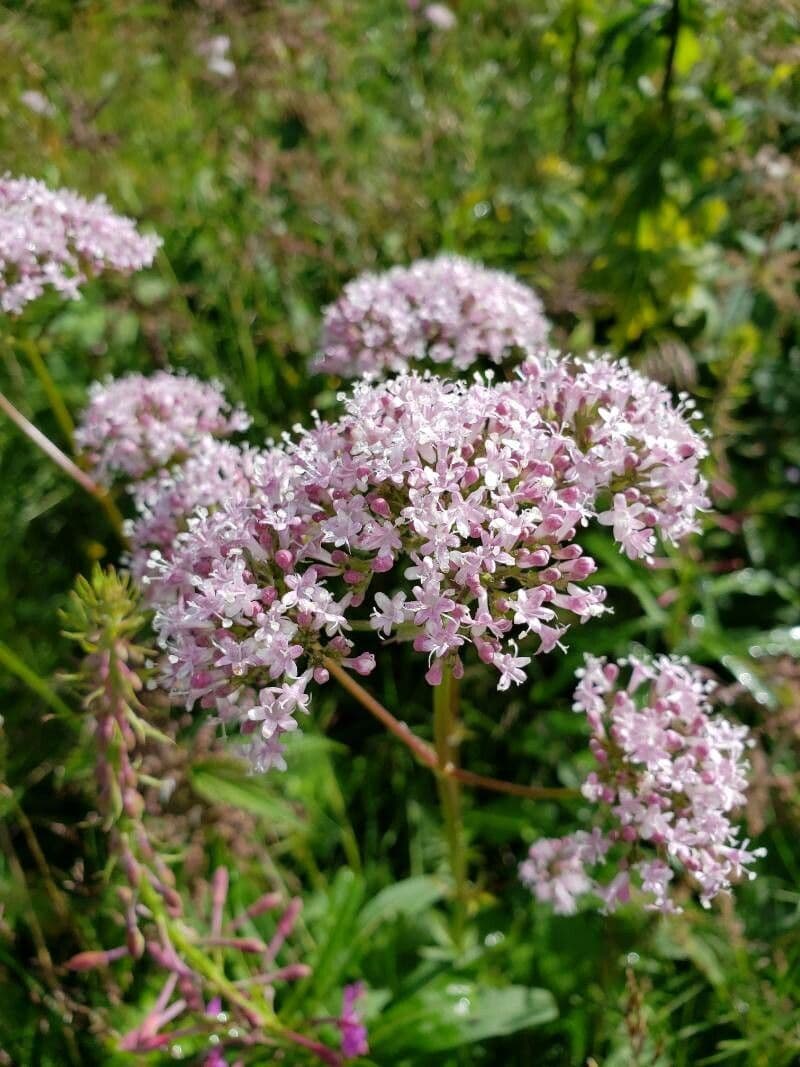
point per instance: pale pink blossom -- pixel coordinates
(670, 775)
(445, 311)
(54, 238)
(136, 425)
(440, 513)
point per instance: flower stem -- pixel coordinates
(53, 452)
(427, 755)
(52, 392)
(421, 749)
(514, 789)
(446, 736)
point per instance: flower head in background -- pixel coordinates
(446, 311)
(57, 239)
(670, 774)
(440, 16)
(216, 473)
(446, 514)
(38, 103)
(136, 425)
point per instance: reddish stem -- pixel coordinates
(53, 452)
(426, 754)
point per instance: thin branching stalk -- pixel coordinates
(673, 31)
(514, 789)
(421, 749)
(57, 898)
(61, 460)
(43, 956)
(426, 754)
(51, 390)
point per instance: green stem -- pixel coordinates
(216, 980)
(446, 739)
(52, 392)
(245, 339)
(11, 661)
(57, 898)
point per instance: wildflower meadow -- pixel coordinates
(400, 612)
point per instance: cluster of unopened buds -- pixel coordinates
(197, 1000)
(669, 776)
(198, 1003)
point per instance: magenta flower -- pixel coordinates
(57, 239)
(351, 1026)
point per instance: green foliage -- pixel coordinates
(638, 164)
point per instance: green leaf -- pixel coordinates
(440, 1017)
(409, 897)
(337, 942)
(225, 781)
(689, 51)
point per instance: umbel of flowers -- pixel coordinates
(446, 514)
(56, 239)
(446, 311)
(135, 426)
(669, 775)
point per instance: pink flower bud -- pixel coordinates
(380, 507)
(87, 961)
(284, 559)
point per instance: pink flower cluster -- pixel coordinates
(215, 472)
(446, 310)
(447, 512)
(135, 426)
(669, 775)
(55, 238)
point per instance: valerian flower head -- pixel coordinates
(57, 239)
(446, 514)
(215, 472)
(136, 425)
(446, 311)
(669, 776)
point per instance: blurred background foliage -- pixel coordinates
(638, 163)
